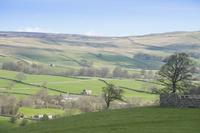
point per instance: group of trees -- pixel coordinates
(41, 100)
(22, 66)
(175, 75)
(8, 105)
(103, 72)
(93, 72)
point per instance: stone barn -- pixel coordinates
(86, 92)
(180, 101)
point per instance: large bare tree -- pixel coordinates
(176, 74)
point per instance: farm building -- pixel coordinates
(86, 92)
(39, 117)
(66, 97)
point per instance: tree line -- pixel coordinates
(103, 72)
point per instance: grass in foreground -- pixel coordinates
(138, 120)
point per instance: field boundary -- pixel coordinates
(18, 93)
(40, 86)
(131, 89)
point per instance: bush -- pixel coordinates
(139, 102)
(24, 122)
(85, 104)
(13, 119)
(27, 102)
(90, 104)
(57, 116)
(20, 115)
(45, 117)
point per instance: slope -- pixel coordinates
(70, 50)
(137, 120)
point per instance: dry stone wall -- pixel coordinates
(181, 101)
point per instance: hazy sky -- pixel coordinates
(100, 17)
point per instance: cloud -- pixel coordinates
(32, 29)
(92, 33)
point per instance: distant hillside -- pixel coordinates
(66, 50)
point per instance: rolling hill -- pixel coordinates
(65, 51)
(71, 51)
(138, 120)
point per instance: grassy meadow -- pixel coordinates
(28, 112)
(138, 120)
(61, 52)
(72, 85)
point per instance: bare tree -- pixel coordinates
(41, 98)
(111, 93)
(176, 74)
(120, 73)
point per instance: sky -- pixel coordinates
(100, 17)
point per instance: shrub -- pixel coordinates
(13, 119)
(45, 117)
(24, 122)
(90, 104)
(139, 102)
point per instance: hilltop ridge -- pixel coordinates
(131, 52)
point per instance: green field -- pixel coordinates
(137, 120)
(5, 124)
(62, 53)
(28, 112)
(72, 85)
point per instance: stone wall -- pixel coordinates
(181, 101)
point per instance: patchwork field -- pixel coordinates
(57, 54)
(72, 85)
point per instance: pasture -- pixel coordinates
(137, 120)
(28, 112)
(72, 85)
